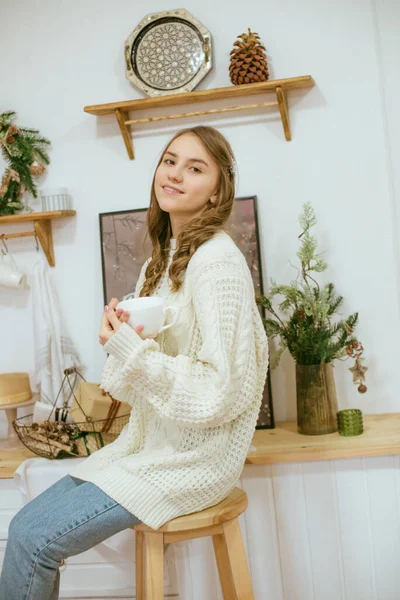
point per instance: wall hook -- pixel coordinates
(5, 246)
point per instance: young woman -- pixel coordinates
(195, 389)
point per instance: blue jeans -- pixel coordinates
(68, 518)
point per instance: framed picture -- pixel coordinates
(123, 252)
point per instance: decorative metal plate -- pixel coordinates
(167, 53)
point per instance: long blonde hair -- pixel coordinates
(199, 229)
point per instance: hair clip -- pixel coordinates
(230, 172)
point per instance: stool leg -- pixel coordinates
(154, 565)
(234, 555)
(224, 567)
(139, 565)
(11, 414)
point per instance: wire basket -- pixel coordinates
(58, 439)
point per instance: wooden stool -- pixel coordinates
(219, 521)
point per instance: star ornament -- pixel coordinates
(358, 372)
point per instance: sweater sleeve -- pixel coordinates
(224, 381)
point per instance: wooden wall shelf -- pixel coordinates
(279, 87)
(42, 228)
(285, 445)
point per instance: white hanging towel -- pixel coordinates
(54, 349)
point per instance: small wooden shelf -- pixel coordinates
(11, 459)
(42, 228)
(284, 444)
(279, 87)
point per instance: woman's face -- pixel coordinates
(186, 179)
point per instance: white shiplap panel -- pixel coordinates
(102, 579)
(5, 519)
(294, 543)
(384, 524)
(10, 495)
(123, 595)
(10, 503)
(324, 541)
(183, 570)
(353, 514)
(202, 566)
(262, 535)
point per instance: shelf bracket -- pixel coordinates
(122, 117)
(281, 96)
(42, 228)
(279, 87)
(44, 233)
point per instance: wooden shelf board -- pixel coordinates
(284, 444)
(11, 459)
(233, 91)
(37, 216)
(42, 228)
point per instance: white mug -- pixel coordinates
(10, 276)
(149, 311)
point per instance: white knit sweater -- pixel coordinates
(195, 392)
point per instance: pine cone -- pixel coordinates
(3, 187)
(13, 175)
(248, 60)
(37, 168)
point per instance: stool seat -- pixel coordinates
(232, 506)
(221, 523)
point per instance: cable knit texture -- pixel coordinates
(195, 391)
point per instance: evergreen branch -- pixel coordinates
(308, 333)
(24, 151)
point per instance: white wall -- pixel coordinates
(59, 56)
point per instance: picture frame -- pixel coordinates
(124, 251)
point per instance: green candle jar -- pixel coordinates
(350, 422)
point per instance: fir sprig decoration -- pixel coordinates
(309, 332)
(24, 151)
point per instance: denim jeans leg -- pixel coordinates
(45, 498)
(57, 527)
(58, 489)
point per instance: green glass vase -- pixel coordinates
(316, 399)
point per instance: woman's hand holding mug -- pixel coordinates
(112, 320)
(148, 316)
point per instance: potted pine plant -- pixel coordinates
(305, 324)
